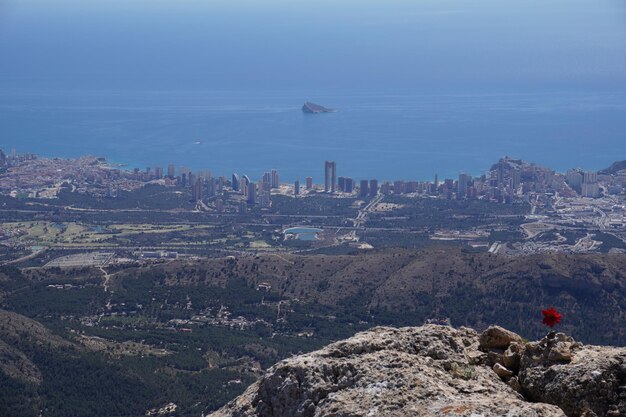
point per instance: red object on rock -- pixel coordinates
(551, 317)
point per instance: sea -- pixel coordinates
(371, 135)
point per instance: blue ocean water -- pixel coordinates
(371, 136)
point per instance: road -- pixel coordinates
(361, 218)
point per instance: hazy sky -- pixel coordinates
(385, 45)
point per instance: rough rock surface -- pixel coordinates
(496, 337)
(425, 371)
(441, 371)
(584, 381)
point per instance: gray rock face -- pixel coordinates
(496, 337)
(582, 380)
(425, 371)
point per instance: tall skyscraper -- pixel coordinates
(252, 193)
(462, 185)
(235, 183)
(349, 185)
(373, 189)
(501, 173)
(171, 171)
(158, 173)
(211, 188)
(296, 188)
(274, 178)
(309, 183)
(363, 189)
(243, 184)
(341, 183)
(196, 190)
(330, 176)
(267, 182)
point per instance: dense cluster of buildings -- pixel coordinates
(30, 176)
(507, 181)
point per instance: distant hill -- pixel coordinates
(406, 287)
(614, 168)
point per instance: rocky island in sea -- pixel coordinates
(309, 107)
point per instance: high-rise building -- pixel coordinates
(191, 179)
(243, 184)
(274, 178)
(590, 177)
(411, 186)
(373, 189)
(349, 185)
(158, 173)
(235, 183)
(591, 189)
(296, 188)
(462, 185)
(309, 183)
(501, 173)
(516, 178)
(171, 171)
(330, 175)
(196, 190)
(398, 187)
(574, 179)
(364, 189)
(341, 183)
(265, 199)
(267, 182)
(211, 188)
(252, 193)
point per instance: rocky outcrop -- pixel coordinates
(441, 371)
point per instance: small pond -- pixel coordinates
(303, 233)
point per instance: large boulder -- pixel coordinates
(441, 371)
(425, 371)
(496, 337)
(582, 380)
